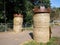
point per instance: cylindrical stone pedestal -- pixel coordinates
(41, 26)
(18, 20)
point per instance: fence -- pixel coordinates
(6, 27)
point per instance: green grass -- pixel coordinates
(53, 41)
(31, 43)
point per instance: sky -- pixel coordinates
(55, 3)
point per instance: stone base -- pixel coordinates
(41, 34)
(17, 28)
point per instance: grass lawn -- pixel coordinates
(53, 41)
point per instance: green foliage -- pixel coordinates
(17, 6)
(1, 5)
(29, 9)
(55, 13)
(1, 15)
(2, 27)
(46, 3)
(53, 41)
(1, 9)
(28, 12)
(24, 7)
(31, 43)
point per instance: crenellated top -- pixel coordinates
(42, 9)
(18, 15)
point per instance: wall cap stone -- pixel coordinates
(41, 10)
(18, 15)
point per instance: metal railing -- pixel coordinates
(6, 27)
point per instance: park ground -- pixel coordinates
(12, 38)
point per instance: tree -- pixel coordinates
(21, 6)
(1, 11)
(28, 12)
(55, 13)
(28, 8)
(46, 3)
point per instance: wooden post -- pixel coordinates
(41, 20)
(18, 20)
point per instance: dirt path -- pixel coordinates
(11, 38)
(56, 31)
